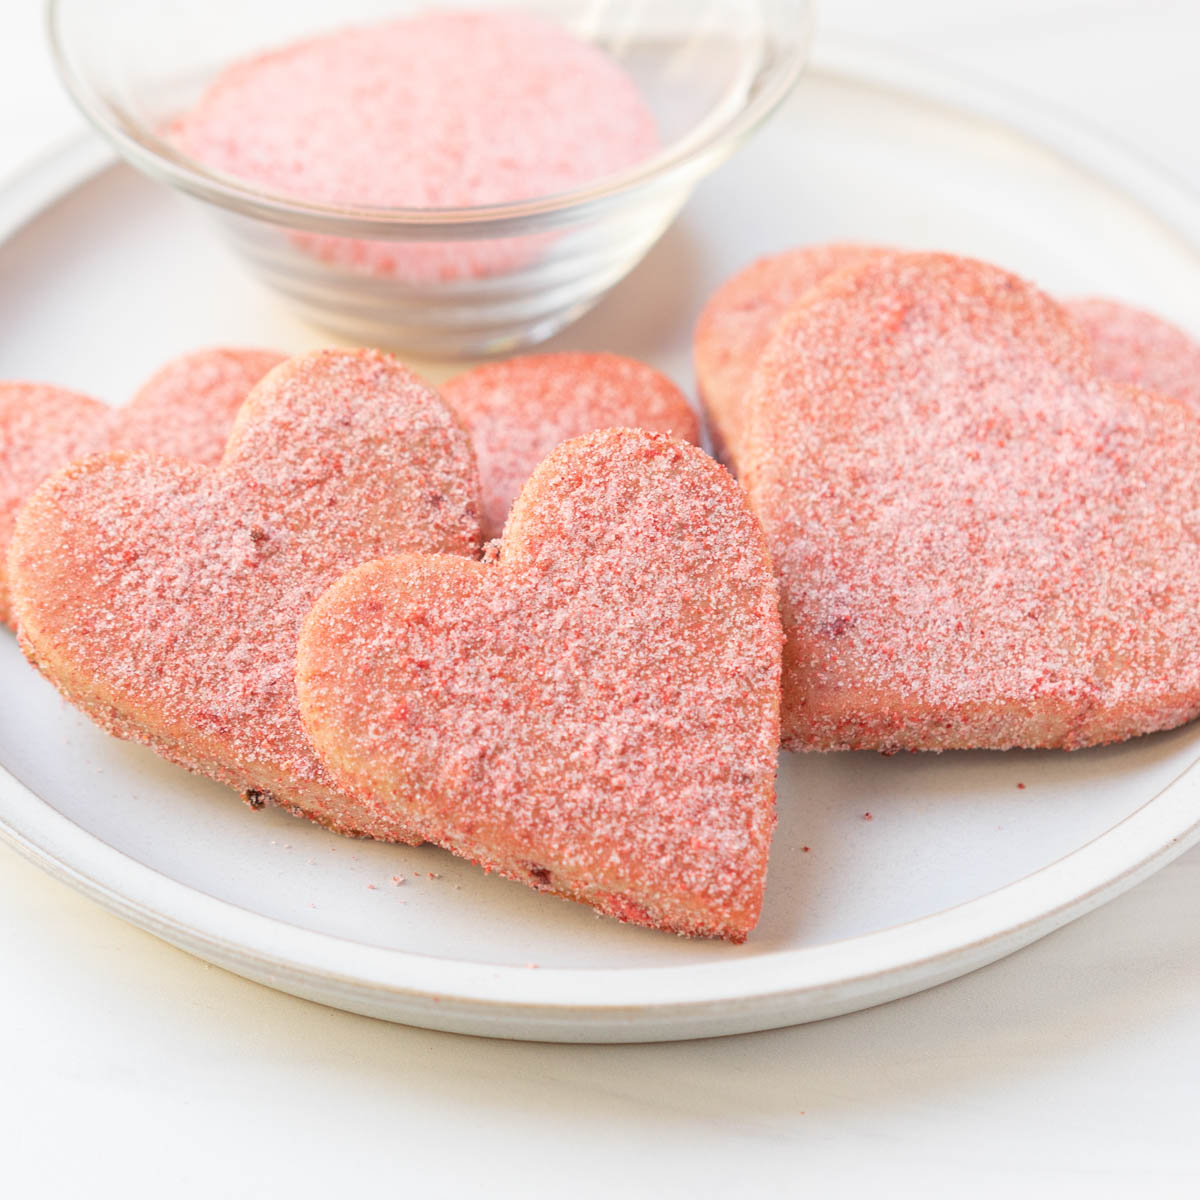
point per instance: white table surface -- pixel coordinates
(130, 1069)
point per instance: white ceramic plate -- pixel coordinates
(965, 857)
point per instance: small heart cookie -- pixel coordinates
(165, 598)
(186, 409)
(1136, 347)
(739, 318)
(979, 543)
(595, 713)
(517, 411)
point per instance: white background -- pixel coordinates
(1073, 1068)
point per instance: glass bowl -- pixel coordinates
(710, 71)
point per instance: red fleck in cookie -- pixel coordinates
(979, 543)
(432, 110)
(185, 409)
(737, 322)
(517, 411)
(595, 712)
(165, 598)
(1136, 347)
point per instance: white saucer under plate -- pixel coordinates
(963, 858)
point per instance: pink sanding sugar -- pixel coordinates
(437, 110)
(518, 410)
(1137, 347)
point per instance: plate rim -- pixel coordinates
(645, 1003)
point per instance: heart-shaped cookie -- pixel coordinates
(518, 410)
(595, 713)
(165, 599)
(739, 318)
(1133, 346)
(185, 409)
(42, 428)
(979, 543)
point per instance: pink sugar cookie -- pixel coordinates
(41, 428)
(185, 409)
(517, 411)
(979, 542)
(435, 110)
(739, 318)
(596, 712)
(165, 598)
(1136, 347)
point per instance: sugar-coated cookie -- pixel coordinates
(594, 713)
(979, 542)
(431, 110)
(1133, 346)
(518, 410)
(41, 428)
(186, 409)
(165, 598)
(737, 322)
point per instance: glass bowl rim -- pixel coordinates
(687, 155)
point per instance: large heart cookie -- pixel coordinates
(595, 713)
(165, 598)
(518, 410)
(185, 408)
(979, 543)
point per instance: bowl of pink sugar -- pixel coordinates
(443, 180)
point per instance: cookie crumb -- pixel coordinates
(256, 798)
